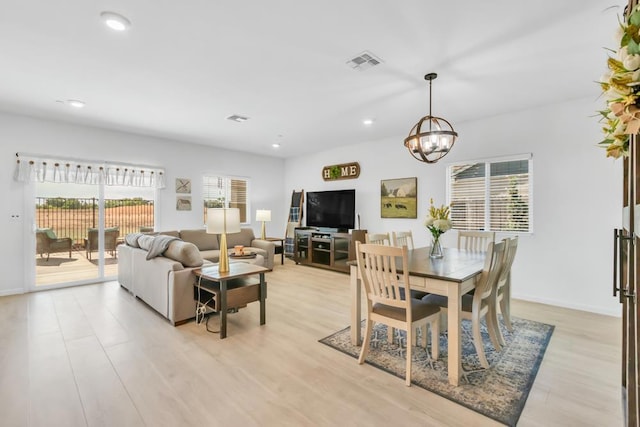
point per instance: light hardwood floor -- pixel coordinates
(94, 355)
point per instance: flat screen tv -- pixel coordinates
(331, 209)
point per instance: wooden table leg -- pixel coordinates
(263, 298)
(454, 326)
(223, 309)
(354, 284)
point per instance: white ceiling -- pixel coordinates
(184, 66)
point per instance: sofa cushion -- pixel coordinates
(200, 238)
(184, 252)
(244, 238)
(172, 233)
(212, 255)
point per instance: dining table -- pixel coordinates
(452, 276)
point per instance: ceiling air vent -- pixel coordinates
(237, 118)
(364, 61)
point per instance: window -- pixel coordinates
(226, 192)
(492, 195)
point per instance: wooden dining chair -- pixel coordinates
(402, 238)
(386, 303)
(405, 238)
(377, 239)
(503, 287)
(482, 302)
(475, 240)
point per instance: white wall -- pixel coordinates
(567, 260)
(180, 160)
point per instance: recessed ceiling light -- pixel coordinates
(75, 103)
(115, 21)
(275, 145)
(367, 122)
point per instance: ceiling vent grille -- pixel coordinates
(237, 118)
(364, 61)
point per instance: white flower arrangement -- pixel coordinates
(438, 221)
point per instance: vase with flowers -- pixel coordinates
(437, 223)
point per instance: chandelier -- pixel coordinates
(432, 137)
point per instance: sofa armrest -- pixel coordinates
(269, 248)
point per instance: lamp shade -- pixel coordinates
(223, 220)
(263, 215)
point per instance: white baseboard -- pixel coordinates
(7, 292)
(564, 304)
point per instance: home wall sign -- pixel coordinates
(342, 171)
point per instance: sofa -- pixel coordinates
(209, 244)
(165, 282)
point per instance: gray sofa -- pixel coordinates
(166, 282)
(209, 244)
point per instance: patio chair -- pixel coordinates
(47, 242)
(110, 241)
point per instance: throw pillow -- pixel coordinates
(184, 252)
(145, 241)
(132, 239)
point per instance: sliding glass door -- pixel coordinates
(79, 226)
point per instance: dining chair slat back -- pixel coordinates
(402, 238)
(475, 240)
(503, 287)
(386, 303)
(377, 238)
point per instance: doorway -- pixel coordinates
(79, 226)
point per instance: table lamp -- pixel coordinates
(264, 216)
(222, 221)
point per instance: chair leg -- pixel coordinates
(477, 342)
(435, 337)
(505, 309)
(423, 335)
(390, 333)
(365, 341)
(48, 253)
(498, 330)
(493, 327)
(409, 346)
(505, 304)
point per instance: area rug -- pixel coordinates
(499, 392)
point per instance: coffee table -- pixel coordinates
(233, 289)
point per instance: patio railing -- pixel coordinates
(72, 217)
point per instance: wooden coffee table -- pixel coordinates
(233, 289)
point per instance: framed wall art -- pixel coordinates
(183, 203)
(399, 198)
(183, 185)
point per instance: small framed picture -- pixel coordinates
(183, 185)
(183, 203)
(399, 198)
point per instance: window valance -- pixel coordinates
(36, 168)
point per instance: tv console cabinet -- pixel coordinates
(326, 249)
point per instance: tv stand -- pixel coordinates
(326, 249)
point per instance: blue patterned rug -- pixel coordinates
(499, 392)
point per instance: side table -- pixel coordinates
(233, 289)
(279, 247)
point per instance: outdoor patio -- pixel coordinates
(60, 268)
